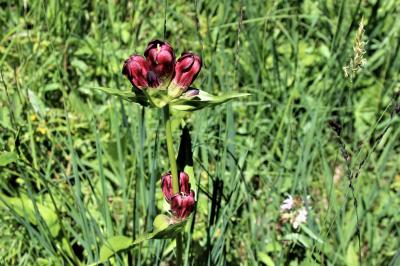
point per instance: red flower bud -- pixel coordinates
(137, 70)
(182, 205)
(187, 68)
(161, 58)
(166, 185)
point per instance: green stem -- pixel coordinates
(174, 172)
(171, 151)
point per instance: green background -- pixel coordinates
(78, 166)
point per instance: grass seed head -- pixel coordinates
(358, 61)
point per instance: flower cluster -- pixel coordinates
(183, 202)
(158, 69)
(294, 211)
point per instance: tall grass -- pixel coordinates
(78, 166)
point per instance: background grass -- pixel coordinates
(78, 166)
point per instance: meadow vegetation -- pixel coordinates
(321, 124)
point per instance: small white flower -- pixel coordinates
(287, 204)
(300, 218)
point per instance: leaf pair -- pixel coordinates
(163, 229)
(159, 98)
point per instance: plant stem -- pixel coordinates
(174, 172)
(171, 151)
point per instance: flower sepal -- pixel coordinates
(158, 98)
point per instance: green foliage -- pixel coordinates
(7, 157)
(159, 98)
(163, 229)
(114, 245)
(32, 211)
(79, 167)
(203, 100)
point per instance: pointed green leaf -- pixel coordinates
(169, 232)
(126, 95)
(159, 98)
(161, 222)
(202, 100)
(136, 96)
(114, 245)
(164, 230)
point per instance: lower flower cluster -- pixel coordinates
(182, 203)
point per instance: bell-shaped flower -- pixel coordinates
(161, 58)
(166, 185)
(137, 70)
(187, 68)
(182, 205)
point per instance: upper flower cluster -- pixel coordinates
(158, 69)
